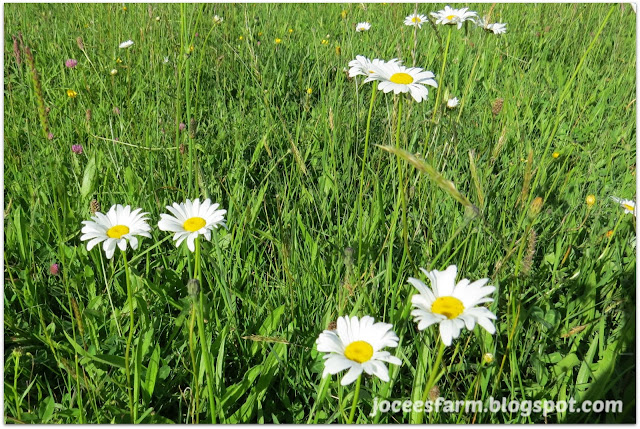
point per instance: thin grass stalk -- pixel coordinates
(364, 163)
(432, 378)
(133, 410)
(436, 106)
(401, 190)
(444, 64)
(195, 416)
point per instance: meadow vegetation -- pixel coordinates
(256, 111)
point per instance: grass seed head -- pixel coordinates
(496, 107)
(94, 206)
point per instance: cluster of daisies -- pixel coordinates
(457, 17)
(121, 225)
(356, 344)
(448, 16)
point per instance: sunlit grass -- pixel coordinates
(251, 106)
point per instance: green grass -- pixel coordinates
(287, 166)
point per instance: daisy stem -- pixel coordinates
(444, 63)
(432, 378)
(201, 334)
(134, 411)
(354, 404)
(364, 163)
(401, 188)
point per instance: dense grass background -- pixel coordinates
(286, 165)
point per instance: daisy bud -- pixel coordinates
(536, 206)
(487, 358)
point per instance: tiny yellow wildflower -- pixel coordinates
(278, 41)
(338, 50)
(124, 8)
(591, 200)
(343, 14)
(118, 61)
(324, 42)
(71, 93)
(309, 91)
(191, 48)
(240, 38)
(259, 33)
(609, 233)
(290, 30)
(555, 154)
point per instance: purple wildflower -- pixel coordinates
(71, 63)
(182, 126)
(76, 148)
(54, 269)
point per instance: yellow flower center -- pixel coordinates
(359, 351)
(450, 17)
(628, 207)
(117, 231)
(401, 78)
(448, 306)
(194, 224)
(415, 19)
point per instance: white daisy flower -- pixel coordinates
(217, 19)
(398, 78)
(452, 16)
(365, 67)
(415, 19)
(363, 26)
(119, 226)
(356, 345)
(452, 103)
(126, 44)
(451, 305)
(495, 28)
(628, 205)
(191, 219)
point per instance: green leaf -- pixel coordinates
(89, 178)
